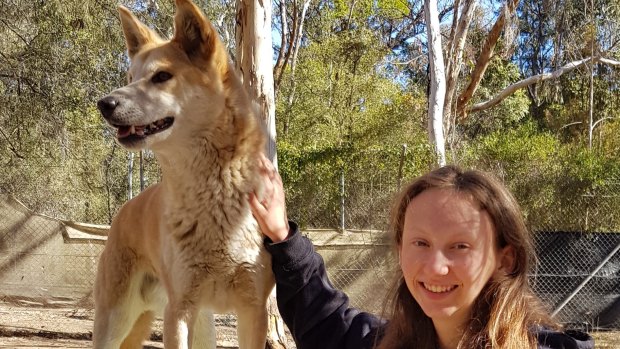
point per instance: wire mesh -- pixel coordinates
(575, 223)
(44, 265)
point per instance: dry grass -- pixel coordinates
(607, 339)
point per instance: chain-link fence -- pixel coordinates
(578, 277)
(47, 262)
(575, 222)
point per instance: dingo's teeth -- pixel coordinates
(145, 130)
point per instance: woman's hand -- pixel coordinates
(270, 212)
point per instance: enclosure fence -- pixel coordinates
(48, 261)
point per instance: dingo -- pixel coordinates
(188, 246)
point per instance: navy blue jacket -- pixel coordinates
(319, 316)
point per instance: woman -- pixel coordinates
(464, 252)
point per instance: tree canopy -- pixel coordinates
(352, 84)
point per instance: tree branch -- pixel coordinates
(571, 124)
(536, 79)
(485, 54)
(609, 62)
(454, 58)
(299, 35)
(279, 66)
(599, 120)
(15, 32)
(11, 146)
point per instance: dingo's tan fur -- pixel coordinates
(188, 246)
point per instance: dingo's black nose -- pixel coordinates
(107, 105)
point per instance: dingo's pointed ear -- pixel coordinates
(194, 33)
(136, 33)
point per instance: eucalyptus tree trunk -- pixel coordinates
(437, 81)
(291, 40)
(463, 15)
(591, 99)
(457, 105)
(254, 61)
(289, 49)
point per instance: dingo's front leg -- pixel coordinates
(182, 285)
(117, 301)
(178, 319)
(252, 326)
(186, 326)
(203, 331)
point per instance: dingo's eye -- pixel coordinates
(161, 77)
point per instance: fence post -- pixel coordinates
(130, 175)
(342, 201)
(141, 172)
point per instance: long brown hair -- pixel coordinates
(506, 310)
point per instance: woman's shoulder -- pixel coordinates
(568, 339)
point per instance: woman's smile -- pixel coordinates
(438, 288)
(448, 253)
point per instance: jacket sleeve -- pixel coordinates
(570, 339)
(317, 314)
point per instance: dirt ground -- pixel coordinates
(47, 328)
(44, 343)
(43, 328)
(37, 342)
(604, 340)
(22, 327)
(607, 340)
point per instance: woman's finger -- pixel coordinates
(258, 210)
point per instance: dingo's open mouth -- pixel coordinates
(143, 131)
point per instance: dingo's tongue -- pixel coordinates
(123, 131)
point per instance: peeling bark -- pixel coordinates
(437, 81)
(254, 61)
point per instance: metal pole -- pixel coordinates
(568, 299)
(130, 176)
(141, 172)
(342, 201)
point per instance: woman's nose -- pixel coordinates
(438, 263)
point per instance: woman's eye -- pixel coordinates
(419, 243)
(160, 77)
(461, 246)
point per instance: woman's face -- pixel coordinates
(448, 253)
